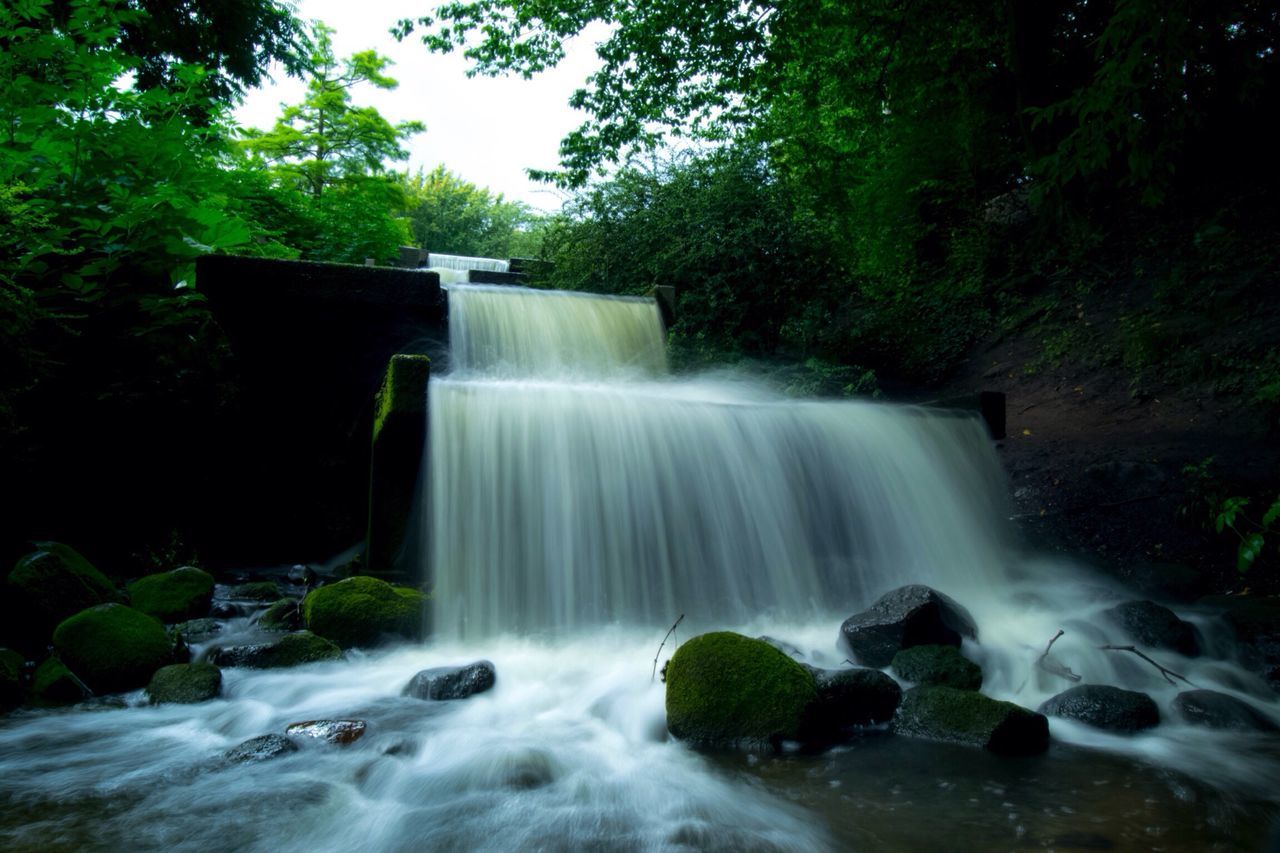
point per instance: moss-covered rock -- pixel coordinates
(254, 591)
(290, 650)
(727, 689)
(963, 716)
(198, 630)
(111, 647)
(284, 615)
(174, 596)
(185, 683)
(54, 684)
(52, 583)
(940, 665)
(363, 611)
(11, 689)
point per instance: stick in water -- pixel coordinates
(664, 642)
(1166, 672)
(1052, 666)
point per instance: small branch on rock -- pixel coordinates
(664, 642)
(1163, 670)
(1053, 667)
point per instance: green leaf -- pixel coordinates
(1249, 550)
(1271, 515)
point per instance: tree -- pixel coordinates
(448, 214)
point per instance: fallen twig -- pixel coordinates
(1053, 667)
(664, 642)
(1165, 671)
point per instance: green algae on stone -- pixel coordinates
(968, 717)
(254, 591)
(174, 596)
(185, 683)
(362, 611)
(283, 615)
(54, 684)
(55, 581)
(726, 689)
(290, 650)
(112, 648)
(940, 665)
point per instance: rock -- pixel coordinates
(198, 630)
(341, 732)
(301, 575)
(968, 717)
(1105, 707)
(11, 692)
(52, 583)
(255, 591)
(1219, 711)
(289, 650)
(284, 615)
(185, 683)
(850, 697)
(363, 611)
(260, 749)
(452, 682)
(175, 596)
(1255, 620)
(727, 689)
(940, 665)
(54, 684)
(908, 616)
(1149, 624)
(225, 610)
(112, 648)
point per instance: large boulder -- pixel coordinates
(968, 717)
(850, 697)
(289, 650)
(363, 611)
(452, 682)
(1155, 626)
(185, 683)
(54, 684)
(52, 583)
(1105, 707)
(1219, 711)
(940, 665)
(111, 647)
(11, 691)
(175, 596)
(727, 689)
(908, 616)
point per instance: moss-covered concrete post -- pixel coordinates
(399, 432)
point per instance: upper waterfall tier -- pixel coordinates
(464, 262)
(516, 331)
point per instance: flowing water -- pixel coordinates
(454, 269)
(578, 500)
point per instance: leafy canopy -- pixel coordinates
(453, 216)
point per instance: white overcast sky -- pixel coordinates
(488, 130)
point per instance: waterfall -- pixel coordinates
(464, 262)
(573, 484)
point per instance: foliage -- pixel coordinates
(453, 216)
(1252, 533)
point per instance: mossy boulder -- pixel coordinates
(289, 650)
(54, 684)
(11, 691)
(112, 648)
(363, 611)
(185, 683)
(940, 665)
(725, 689)
(52, 583)
(254, 591)
(967, 717)
(175, 596)
(284, 615)
(198, 630)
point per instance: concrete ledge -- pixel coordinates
(399, 436)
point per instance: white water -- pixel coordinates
(436, 260)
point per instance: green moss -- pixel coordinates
(293, 650)
(111, 647)
(964, 716)
(724, 688)
(256, 591)
(940, 665)
(281, 616)
(185, 683)
(174, 596)
(54, 684)
(404, 388)
(361, 611)
(54, 582)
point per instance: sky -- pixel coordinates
(487, 130)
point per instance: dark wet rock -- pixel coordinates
(181, 650)
(111, 647)
(261, 748)
(289, 650)
(1105, 707)
(301, 575)
(363, 611)
(175, 596)
(724, 689)
(940, 665)
(340, 732)
(1219, 711)
(850, 697)
(284, 615)
(11, 688)
(50, 584)
(908, 616)
(199, 630)
(968, 717)
(1255, 620)
(225, 610)
(452, 682)
(254, 591)
(1155, 626)
(185, 683)
(54, 684)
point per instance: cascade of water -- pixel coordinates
(436, 260)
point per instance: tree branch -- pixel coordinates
(670, 631)
(1163, 670)
(1053, 667)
